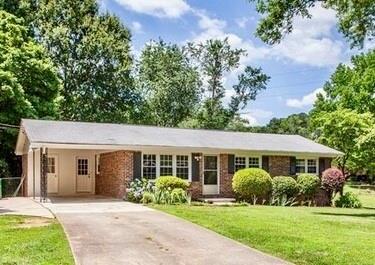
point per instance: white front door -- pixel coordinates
(52, 174)
(83, 174)
(210, 175)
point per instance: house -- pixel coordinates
(61, 158)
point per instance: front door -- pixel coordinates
(210, 175)
(83, 174)
(52, 174)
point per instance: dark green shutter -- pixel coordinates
(195, 166)
(324, 163)
(293, 165)
(266, 163)
(137, 165)
(230, 164)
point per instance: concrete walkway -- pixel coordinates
(105, 231)
(23, 206)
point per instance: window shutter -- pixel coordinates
(324, 163)
(293, 165)
(230, 164)
(137, 165)
(195, 167)
(266, 163)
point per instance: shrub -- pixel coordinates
(170, 183)
(179, 196)
(348, 200)
(137, 188)
(332, 179)
(250, 183)
(147, 197)
(308, 184)
(284, 186)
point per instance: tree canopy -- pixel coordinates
(356, 19)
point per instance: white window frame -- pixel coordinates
(306, 165)
(247, 156)
(174, 162)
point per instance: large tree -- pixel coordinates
(92, 53)
(216, 59)
(170, 84)
(356, 19)
(29, 84)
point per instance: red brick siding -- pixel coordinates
(279, 166)
(116, 172)
(225, 177)
(195, 188)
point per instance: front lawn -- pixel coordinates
(302, 235)
(365, 193)
(33, 240)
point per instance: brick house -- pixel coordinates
(76, 158)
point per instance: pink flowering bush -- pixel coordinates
(332, 179)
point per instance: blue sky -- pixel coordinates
(298, 66)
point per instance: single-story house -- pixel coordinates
(62, 158)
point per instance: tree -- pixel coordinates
(293, 124)
(29, 84)
(350, 87)
(356, 19)
(366, 158)
(215, 59)
(170, 84)
(92, 53)
(341, 129)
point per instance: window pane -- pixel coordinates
(210, 162)
(51, 165)
(300, 165)
(149, 166)
(311, 166)
(166, 165)
(210, 177)
(253, 161)
(182, 166)
(166, 171)
(239, 163)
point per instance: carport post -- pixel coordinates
(33, 173)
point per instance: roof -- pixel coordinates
(87, 133)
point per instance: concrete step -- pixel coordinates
(218, 201)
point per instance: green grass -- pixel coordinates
(34, 245)
(301, 235)
(365, 193)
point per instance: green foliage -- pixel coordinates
(179, 195)
(170, 84)
(251, 183)
(29, 84)
(348, 200)
(170, 183)
(92, 52)
(308, 184)
(284, 186)
(168, 196)
(147, 197)
(355, 18)
(138, 188)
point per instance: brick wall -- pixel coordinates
(195, 188)
(279, 166)
(116, 172)
(225, 177)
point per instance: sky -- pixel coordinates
(298, 66)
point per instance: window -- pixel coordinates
(300, 166)
(253, 161)
(239, 162)
(182, 166)
(210, 170)
(166, 165)
(51, 166)
(311, 166)
(149, 166)
(83, 166)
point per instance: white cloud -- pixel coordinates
(254, 115)
(158, 8)
(305, 101)
(241, 22)
(136, 27)
(250, 118)
(310, 41)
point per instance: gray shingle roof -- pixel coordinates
(84, 133)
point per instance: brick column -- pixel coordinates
(225, 177)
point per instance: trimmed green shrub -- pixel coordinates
(348, 200)
(148, 197)
(284, 186)
(250, 183)
(170, 183)
(179, 196)
(308, 184)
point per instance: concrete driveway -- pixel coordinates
(106, 231)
